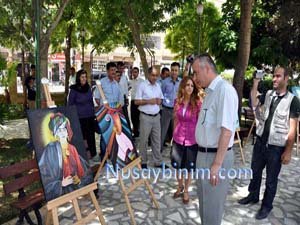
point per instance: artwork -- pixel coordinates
(59, 150)
(116, 136)
(296, 91)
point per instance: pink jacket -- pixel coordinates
(184, 132)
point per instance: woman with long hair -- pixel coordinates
(184, 150)
(81, 96)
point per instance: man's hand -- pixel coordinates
(214, 174)
(152, 101)
(286, 157)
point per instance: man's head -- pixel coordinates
(280, 79)
(72, 71)
(175, 70)
(111, 70)
(118, 76)
(32, 70)
(165, 72)
(153, 74)
(135, 72)
(121, 67)
(204, 70)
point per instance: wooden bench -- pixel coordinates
(19, 176)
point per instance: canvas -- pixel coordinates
(59, 150)
(116, 136)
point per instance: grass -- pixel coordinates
(13, 150)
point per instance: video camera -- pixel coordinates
(259, 74)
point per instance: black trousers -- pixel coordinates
(87, 129)
(268, 156)
(135, 118)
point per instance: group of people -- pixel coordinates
(203, 127)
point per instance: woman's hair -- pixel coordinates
(195, 98)
(78, 74)
(57, 120)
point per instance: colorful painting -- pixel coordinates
(59, 149)
(116, 136)
(296, 91)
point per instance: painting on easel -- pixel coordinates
(59, 150)
(116, 136)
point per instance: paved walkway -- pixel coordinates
(286, 205)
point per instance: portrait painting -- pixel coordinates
(59, 150)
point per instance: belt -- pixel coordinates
(153, 115)
(201, 149)
(168, 107)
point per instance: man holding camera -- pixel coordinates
(275, 138)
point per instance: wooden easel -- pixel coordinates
(50, 103)
(134, 183)
(73, 196)
(237, 132)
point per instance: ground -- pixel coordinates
(286, 204)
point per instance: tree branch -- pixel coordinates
(57, 17)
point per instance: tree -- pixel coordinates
(182, 37)
(16, 32)
(243, 49)
(134, 20)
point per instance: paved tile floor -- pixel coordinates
(286, 205)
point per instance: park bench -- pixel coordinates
(19, 176)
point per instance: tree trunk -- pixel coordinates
(136, 34)
(67, 52)
(244, 49)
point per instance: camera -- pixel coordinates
(190, 58)
(259, 74)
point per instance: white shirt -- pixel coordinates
(124, 85)
(134, 83)
(72, 80)
(145, 91)
(219, 109)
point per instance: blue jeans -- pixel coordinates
(268, 156)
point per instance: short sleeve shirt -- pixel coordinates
(111, 91)
(145, 91)
(219, 109)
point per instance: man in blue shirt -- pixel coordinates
(110, 87)
(169, 89)
(112, 92)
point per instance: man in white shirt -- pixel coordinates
(72, 78)
(124, 90)
(148, 97)
(214, 134)
(134, 111)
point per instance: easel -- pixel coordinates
(73, 196)
(134, 164)
(50, 103)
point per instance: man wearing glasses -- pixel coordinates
(214, 134)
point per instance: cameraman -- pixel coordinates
(274, 143)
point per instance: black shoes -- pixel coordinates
(262, 213)
(247, 200)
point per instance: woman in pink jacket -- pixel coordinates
(184, 150)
